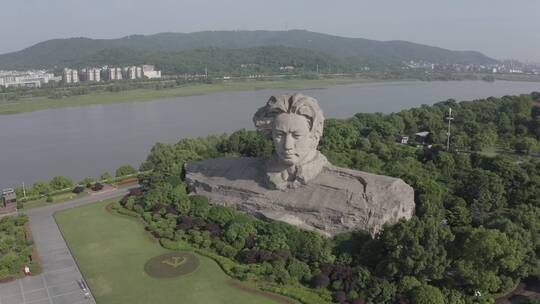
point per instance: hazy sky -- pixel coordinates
(499, 28)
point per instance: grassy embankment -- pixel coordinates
(67, 194)
(111, 252)
(137, 95)
(59, 198)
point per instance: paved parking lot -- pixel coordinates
(36, 290)
(58, 283)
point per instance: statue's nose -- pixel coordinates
(289, 142)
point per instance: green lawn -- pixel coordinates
(40, 103)
(111, 252)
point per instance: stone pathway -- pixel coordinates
(58, 283)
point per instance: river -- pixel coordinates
(88, 140)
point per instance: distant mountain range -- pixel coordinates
(232, 46)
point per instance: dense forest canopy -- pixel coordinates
(474, 236)
(237, 62)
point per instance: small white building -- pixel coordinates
(286, 68)
(149, 71)
(401, 139)
(422, 137)
(31, 78)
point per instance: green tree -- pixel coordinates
(484, 192)
(237, 232)
(527, 218)
(41, 187)
(525, 145)
(105, 176)
(486, 257)
(220, 215)
(504, 123)
(87, 181)
(309, 247)
(125, 170)
(458, 213)
(151, 198)
(483, 139)
(416, 248)
(178, 197)
(383, 292)
(60, 182)
(407, 284)
(199, 206)
(445, 162)
(427, 294)
(299, 270)
(454, 296)
(365, 161)
(338, 135)
(275, 236)
(247, 143)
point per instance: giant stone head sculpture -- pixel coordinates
(295, 123)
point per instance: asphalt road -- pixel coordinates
(59, 281)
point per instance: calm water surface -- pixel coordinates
(86, 141)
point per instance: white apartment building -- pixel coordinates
(70, 76)
(91, 74)
(131, 72)
(114, 74)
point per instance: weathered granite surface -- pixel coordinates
(336, 200)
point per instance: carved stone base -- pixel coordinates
(337, 200)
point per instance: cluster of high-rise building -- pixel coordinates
(110, 73)
(32, 78)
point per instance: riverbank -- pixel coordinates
(140, 95)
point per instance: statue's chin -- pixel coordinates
(287, 161)
(295, 160)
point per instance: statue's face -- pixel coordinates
(292, 138)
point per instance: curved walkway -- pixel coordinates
(59, 283)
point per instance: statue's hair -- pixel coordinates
(291, 103)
